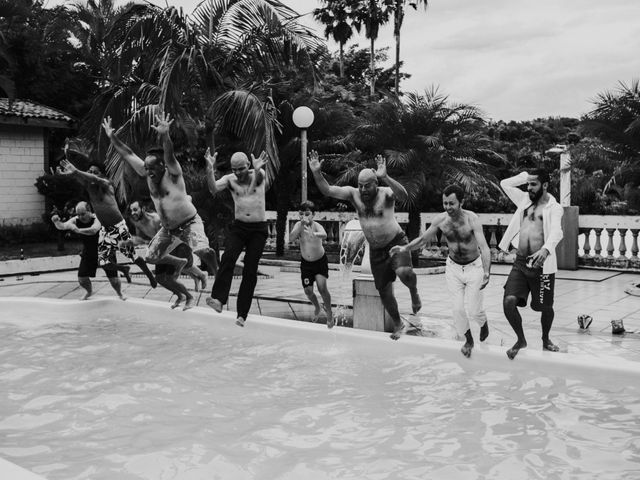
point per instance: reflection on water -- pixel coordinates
(134, 399)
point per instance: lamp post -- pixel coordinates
(565, 174)
(303, 118)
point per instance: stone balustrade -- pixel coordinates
(605, 241)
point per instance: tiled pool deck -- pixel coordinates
(279, 294)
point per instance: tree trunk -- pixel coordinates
(413, 231)
(396, 32)
(282, 209)
(341, 60)
(372, 91)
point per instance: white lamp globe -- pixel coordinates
(303, 117)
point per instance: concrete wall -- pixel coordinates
(22, 160)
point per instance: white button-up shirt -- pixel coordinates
(551, 220)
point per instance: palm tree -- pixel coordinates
(209, 70)
(398, 18)
(339, 21)
(373, 14)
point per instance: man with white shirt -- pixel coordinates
(535, 230)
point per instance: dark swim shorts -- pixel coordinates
(524, 280)
(383, 265)
(309, 270)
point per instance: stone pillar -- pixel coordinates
(567, 249)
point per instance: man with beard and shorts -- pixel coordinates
(178, 216)
(114, 228)
(535, 230)
(375, 207)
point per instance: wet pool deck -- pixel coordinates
(279, 294)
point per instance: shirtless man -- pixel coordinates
(535, 230)
(179, 217)
(314, 265)
(375, 208)
(114, 229)
(248, 230)
(147, 225)
(87, 226)
(468, 263)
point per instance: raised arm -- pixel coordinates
(125, 152)
(510, 187)
(214, 185)
(67, 168)
(258, 169)
(295, 232)
(162, 126)
(485, 253)
(68, 225)
(398, 190)
(341, 193)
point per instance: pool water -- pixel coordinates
(153, 394)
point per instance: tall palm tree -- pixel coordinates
(338, 18)
(398, 18)
(373, 14)
(209, 70)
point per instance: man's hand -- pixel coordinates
(163, 124)
(108, 129)
(485, 280)
(211, 160)
(314, 162)
(66, 168)
(398, 249)
(381, 172)
(537, 259)
(259, 162)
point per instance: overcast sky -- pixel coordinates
(515, 59)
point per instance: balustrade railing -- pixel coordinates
(604, 241)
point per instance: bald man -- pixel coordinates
(247, 232)
(87, 226)
(375, 207)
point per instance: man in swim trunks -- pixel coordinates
(375, 207)
(314, 266)
(86, 226)
(114, 229)
(535, 230)
(248, 230)
(179, 217)
(468, 263)
(147, 224)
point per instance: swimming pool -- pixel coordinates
(107, 389)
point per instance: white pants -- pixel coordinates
(464, 283)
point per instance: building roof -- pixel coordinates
(26, 112)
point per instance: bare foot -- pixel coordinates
(190, 303)
(240, 321)
(513, 351)
(122, 297)
(203, 282)
(177, 302)
(416, 303)
(400, 330)
(550, 346)
(466, 349)
(215, 304)
(316, 314)
(86, 296)
(484, 331)
(330, 321)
